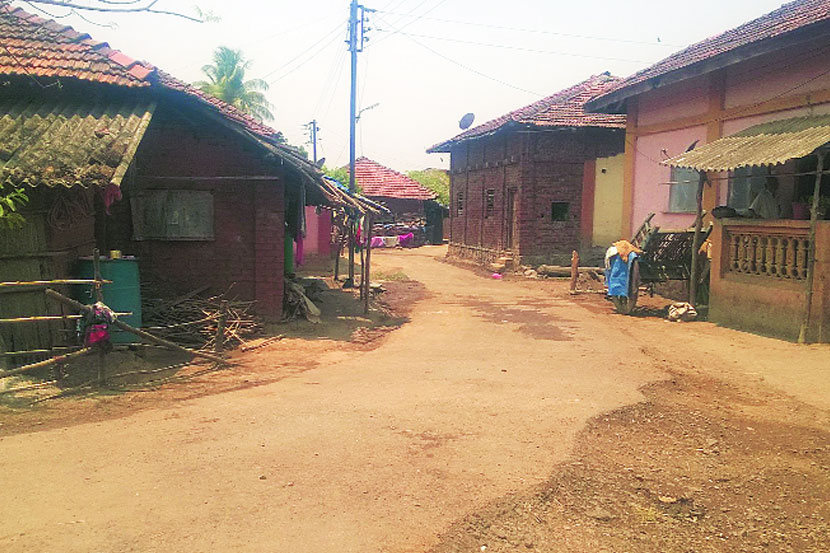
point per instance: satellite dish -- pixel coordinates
(466, 121)
(320, 163)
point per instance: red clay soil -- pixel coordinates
(504, 416)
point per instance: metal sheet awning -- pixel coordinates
(70, 142)
(766, 144)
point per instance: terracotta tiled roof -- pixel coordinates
(566, 108)
(376, 180)
(786, 19)
(48, 49)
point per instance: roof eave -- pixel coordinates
(616, 100)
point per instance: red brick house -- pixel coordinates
(523, 185)
(755, 100)
(402, 195)
(398, 192)
(117, 154)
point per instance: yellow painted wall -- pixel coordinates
(608, 198)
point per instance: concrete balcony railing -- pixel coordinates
(759, 274)
(773, 252)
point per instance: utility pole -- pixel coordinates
(357, 39)
(312, 130)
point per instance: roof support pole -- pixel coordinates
(693, 273)
(811, 251)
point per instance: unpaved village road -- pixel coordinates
(476, 400)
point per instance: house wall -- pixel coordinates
(318, 232)
(245, 256)
(792, 82)
(491, 163)
(542, 168)
(608, 193)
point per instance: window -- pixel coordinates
(489, 202)
(559, 211)
(683, 192)
(459, 203)
(746, 183)
(172, 215)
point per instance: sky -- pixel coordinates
(426, 64)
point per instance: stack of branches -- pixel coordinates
(192, 321)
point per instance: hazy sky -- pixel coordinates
(428, 62)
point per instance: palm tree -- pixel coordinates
(226, 81)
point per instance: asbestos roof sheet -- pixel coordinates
(565, 109)
(378, 181)
(770, 143)
(69, 142)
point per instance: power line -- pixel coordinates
(470, 69)
(417, 18)
(520, 48)
(328, 35)
(538, 31)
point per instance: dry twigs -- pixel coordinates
(193, 321)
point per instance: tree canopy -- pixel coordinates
(226, 81)
(437, 180)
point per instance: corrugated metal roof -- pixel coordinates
(69, 142)
(770, 143)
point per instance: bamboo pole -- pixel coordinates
(49, 318)
(51, 282)
(45, 363)
(811, 252)
(138, 332)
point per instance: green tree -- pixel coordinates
(226, 81)
(338, 173)
(11, 199)
(437, 180)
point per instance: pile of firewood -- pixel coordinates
(193, 321)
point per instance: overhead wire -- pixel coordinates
(520, 48)
(328, 36)
(538, 31)
(468, 68)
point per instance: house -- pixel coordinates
(538, 182)
(407, 199)
(747, 103)
(119, 155)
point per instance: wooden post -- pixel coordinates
(368, 268)
(350, 280)
(100, 361)
(362, 271)
(693, 273)
(138, 332)
(574, 270)
(219, 342)
(811, 252)
(96, 271)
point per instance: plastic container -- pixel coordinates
(122, 296)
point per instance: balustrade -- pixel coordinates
(769, 254)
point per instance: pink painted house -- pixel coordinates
(770, 69)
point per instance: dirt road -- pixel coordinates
(473, 402)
